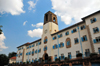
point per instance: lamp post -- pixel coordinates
(80, 42)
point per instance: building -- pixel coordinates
(82, 37)
(12, 60)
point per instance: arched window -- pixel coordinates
(46, 17)
(45, 48)
(32, 52)
(54, 19)
(45, 40)
(68, 43)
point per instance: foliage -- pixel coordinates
(49, 58)
(23, 62)
(66, 58)
(79, 55)
(12, 54)
(3, 60)
(93, 54)
(27, 62)
(57, 59)
(31, 62)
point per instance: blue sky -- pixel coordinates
(22, 20)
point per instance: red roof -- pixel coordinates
(13, 58)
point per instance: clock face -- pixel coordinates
(46, 31)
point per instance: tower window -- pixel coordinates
(54, 19)
(46, 17)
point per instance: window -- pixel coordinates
(87, 52)
(16, 55)
(54, 37)
(96, 40)
(39, 50)
(99, 50)
(30, 53)
(82, 27)
(45, 48)
(32, 60)
(39, 43)
(54, 19)
(19, 49)
(76, 40)
(74, 30)
(36, 44)
(29, 46)
(67, 33)
(93, 20)
(59, 36)
(55, 46)
(68, 43)
(61, 44)
(62, 56)
(20, 54)
(32, 45)
(77, 52)
(96, 29)
(84, 38)
(69, 55)
(35, 51)
(45, 40)
(27, 53)
(46, 17)
(55, 57)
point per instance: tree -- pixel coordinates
(3, 60)
(12, 54)
(0, 29)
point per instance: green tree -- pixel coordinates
(12, 54)
(3, 60)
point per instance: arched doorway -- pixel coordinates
(46, 56)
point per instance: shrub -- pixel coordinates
(27, 62)
(93, 54)
(57, 59)
(79, 55)
(49, 59)
(66, 58)
(42, 60)
(23, 62)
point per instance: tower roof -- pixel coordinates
(50, 17)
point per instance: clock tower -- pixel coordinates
(50, 23)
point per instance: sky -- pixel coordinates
(22, 20)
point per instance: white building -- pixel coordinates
(82, 37)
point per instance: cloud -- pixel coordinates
(15, 7)
(24, 23)
(74, 10)
(37, 25)
(33, 25)
(2, 44)
(32, 4)
(35, 33)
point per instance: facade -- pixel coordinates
(82, 37)
(12, 60)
